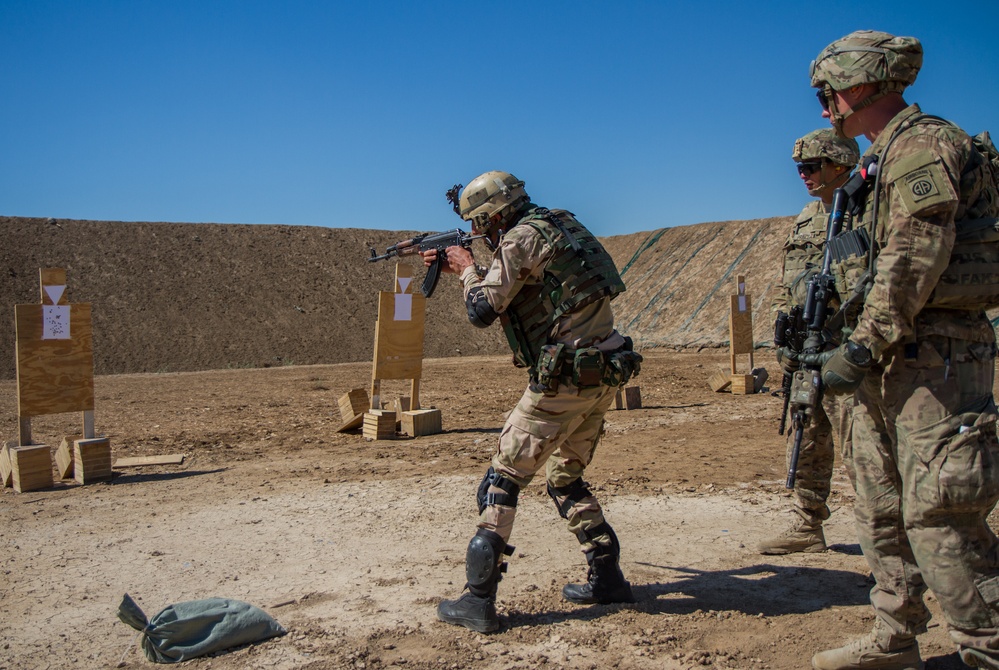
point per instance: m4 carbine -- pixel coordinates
(426, 242)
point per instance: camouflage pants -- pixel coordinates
(829, 426)
(560, 432)
(926, 462)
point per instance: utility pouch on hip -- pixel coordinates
(622, 365)
(548, 370)
(588, 368)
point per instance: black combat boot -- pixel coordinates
(476, 610)
(605, 583)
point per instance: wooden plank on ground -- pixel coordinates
(137, 461)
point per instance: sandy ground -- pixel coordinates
(350, 544)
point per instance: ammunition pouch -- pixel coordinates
(850, 261)
(588, 368)
(546, 375)
(622, 365)
(583, 368)
(849, 254)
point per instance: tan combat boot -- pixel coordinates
(804, 535)
(870, 653)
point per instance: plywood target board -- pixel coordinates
(399, 333)
(740, 322)
(55, 355)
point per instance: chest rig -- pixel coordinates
(578, 273)
(803, 249)
(971, 279)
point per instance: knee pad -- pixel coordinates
(510, 491)
(483, 561)
(571, 493)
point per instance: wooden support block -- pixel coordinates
(353, 405)
(632, 397)
(64, 456)
(379, 424)
(743, 384)
(92, 460)
(400, 405)
(719, 381)
(419, 422)
(31, 467)
(5, 467)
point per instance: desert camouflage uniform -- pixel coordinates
(803, 255)
(558, 431)
(925, 451)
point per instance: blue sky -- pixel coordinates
(634, 115)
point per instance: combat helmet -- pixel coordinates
(490, 200)
(825, 143)
(865, 57)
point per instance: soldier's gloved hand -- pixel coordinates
(788, 360)
(843, 368)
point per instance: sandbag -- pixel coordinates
(197, 627)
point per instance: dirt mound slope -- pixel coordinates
(171, 297)
(680, 280)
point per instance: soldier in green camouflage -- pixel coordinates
(925, 451)
(550, 285)
(824, 164)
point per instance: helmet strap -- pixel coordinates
(839, 118)
(841, 178)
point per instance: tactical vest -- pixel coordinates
(803, 248)
(578, 273)
(971, 279)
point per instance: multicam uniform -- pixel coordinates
(924, 438)
(804, 250)
(558, 427)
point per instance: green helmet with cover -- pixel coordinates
(864, 57)
(490, 200)
(868, 57)
(825, 143)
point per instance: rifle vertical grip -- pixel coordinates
(433, 274)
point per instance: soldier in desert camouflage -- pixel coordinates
(824, 163)
(550, 284)
(925, 451)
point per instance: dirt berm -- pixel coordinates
(169, 297)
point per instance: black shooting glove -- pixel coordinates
(788, 360)
(843, 368)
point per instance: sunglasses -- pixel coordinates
(809, 168)
(824, 95)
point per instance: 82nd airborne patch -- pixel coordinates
(924, 188)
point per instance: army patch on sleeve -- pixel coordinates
(924, 187)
